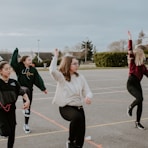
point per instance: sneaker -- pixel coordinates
(139, 126)
(3, 137)
(129, 111)
(26, 129)
(26, 113)
(67, 144)
(70, 145)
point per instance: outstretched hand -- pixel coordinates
(45, 91)
(129, 35)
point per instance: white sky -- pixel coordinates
(61, 23)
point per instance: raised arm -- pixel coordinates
(56, 53)
(129, 35)
(14, 60)
(130, 48)
(54, 72)
(131, 56)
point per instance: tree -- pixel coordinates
(140, 37)
(141, 34)
(66, 49)
(94, 50)
(88, 47)
(77, 47)
(118, 46)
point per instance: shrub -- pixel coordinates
(110, 59)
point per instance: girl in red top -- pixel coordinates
(136, 71)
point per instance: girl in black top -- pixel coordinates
(9, 90)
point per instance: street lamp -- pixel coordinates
(38, 49)
(85, 52)
(86, 49)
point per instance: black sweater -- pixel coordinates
(10, 90)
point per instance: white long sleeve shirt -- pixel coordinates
(69, 93)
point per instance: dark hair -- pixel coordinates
(23, 59)
(2, 64)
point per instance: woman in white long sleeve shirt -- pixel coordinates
(72, 90)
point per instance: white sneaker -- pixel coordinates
(26, 129)
(26, 113)
(67, 144)
(3, 137)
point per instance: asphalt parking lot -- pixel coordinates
(106, 119)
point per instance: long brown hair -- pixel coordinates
(23, 59)
(2, 64)
(64, 67)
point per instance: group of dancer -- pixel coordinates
(71, 91)
(27, 76)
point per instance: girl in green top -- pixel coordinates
(27, 77)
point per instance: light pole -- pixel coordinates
(38, 50)
(85, 51)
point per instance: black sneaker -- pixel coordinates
(129, 111)
(139, 126)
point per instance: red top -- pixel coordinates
(137, 71)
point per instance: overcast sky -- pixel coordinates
(61, 23)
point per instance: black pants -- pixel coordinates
(11, 138)
(76, 117)
(7, 126)
(29, 93)
(134, 88)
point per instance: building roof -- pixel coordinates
(77, 54)
(45, 55)
(6, 56)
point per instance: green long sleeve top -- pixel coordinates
(26, 76)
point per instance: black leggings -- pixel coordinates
(11, 138)
(134, 88)
(76, 117)
(7, 126)
(29, 93)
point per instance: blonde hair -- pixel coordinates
(139, 55)
(65, 65)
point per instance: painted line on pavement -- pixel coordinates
(48, 119)
(61, 126)
(113, 123)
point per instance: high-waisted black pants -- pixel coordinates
(134, 88)
(76, 117)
